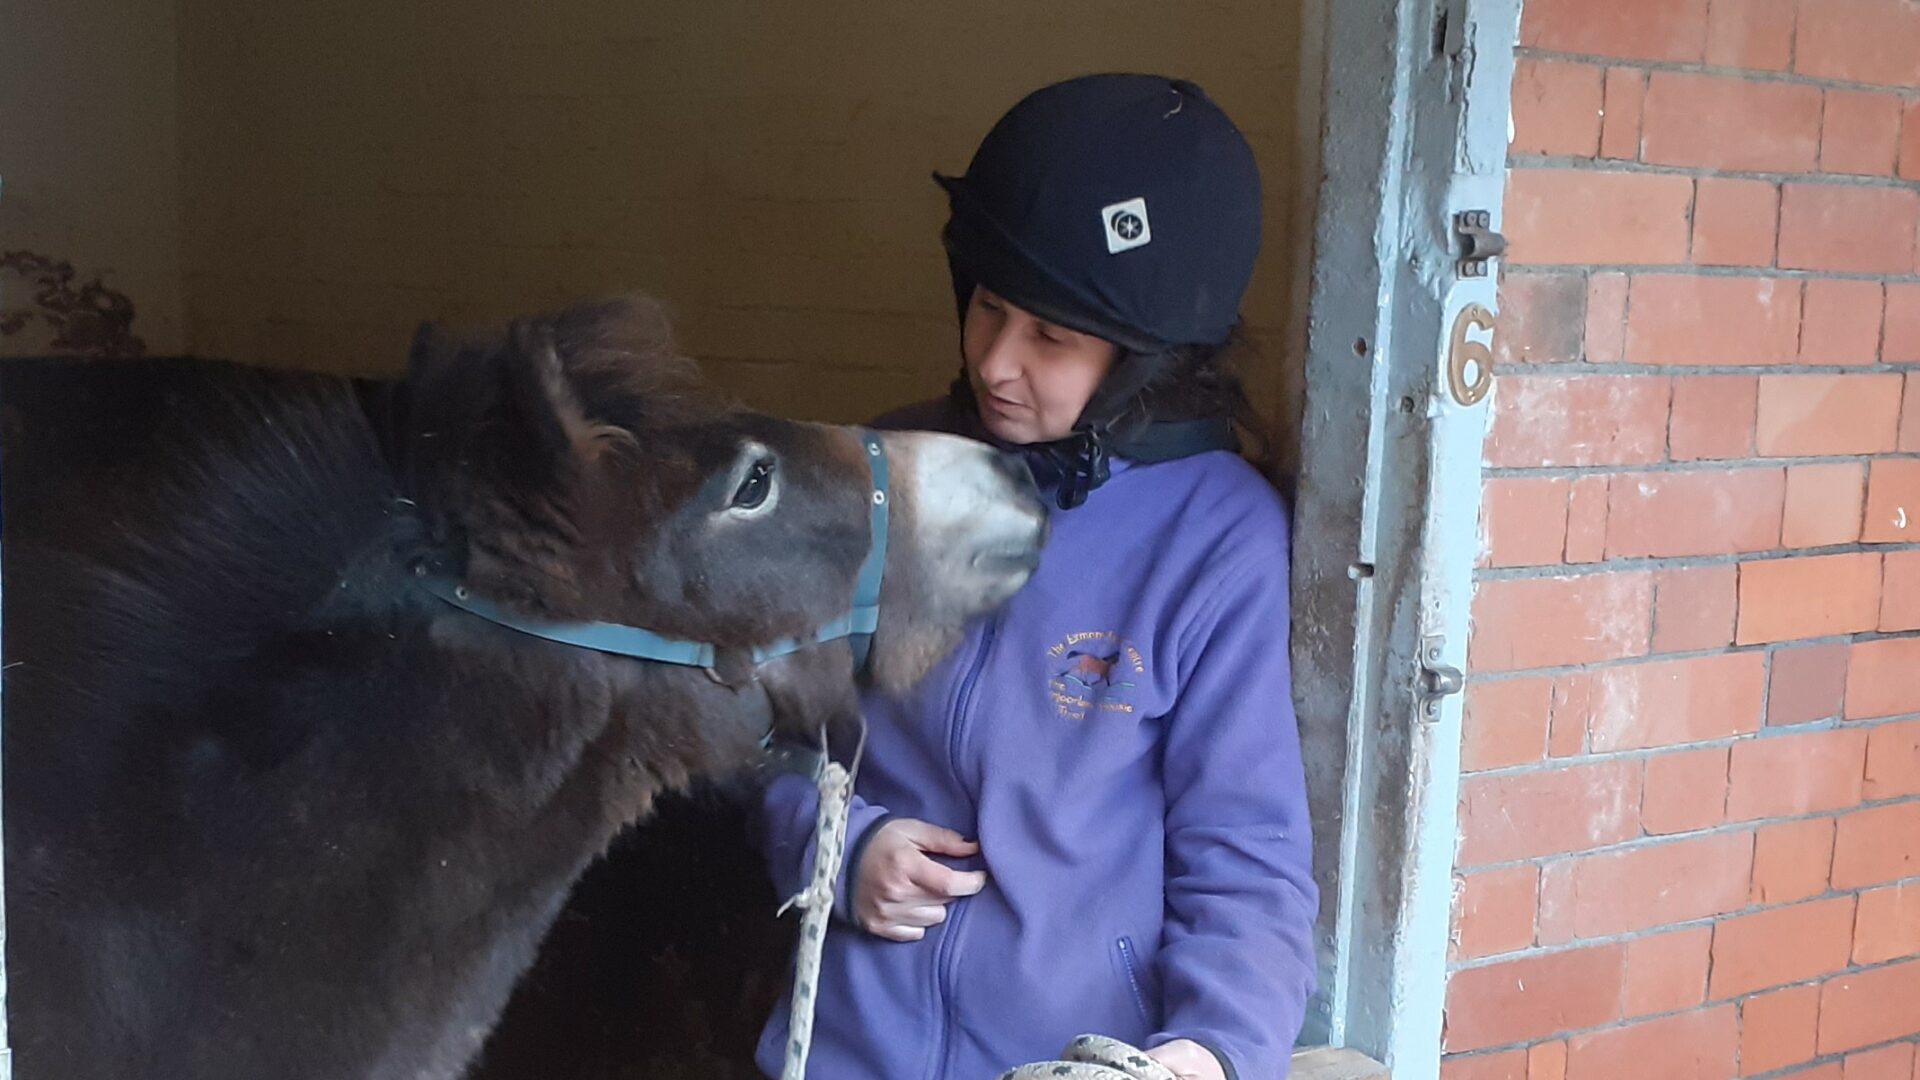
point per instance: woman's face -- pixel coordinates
(1031, 377)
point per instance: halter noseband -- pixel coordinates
(857, 625)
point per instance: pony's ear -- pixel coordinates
(540, 418)
(426, 343)
(494, 425)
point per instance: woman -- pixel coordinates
(1092, 818)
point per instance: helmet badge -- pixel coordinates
(1127, 226)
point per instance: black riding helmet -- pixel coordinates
(1123, 206)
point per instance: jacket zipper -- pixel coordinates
(1133, 980)
(943, 956)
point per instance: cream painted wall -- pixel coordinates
(89, 152)
(352, 167)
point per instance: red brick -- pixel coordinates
(1549, 622)
(1735, 222)
(1842, 322)
(1893, 761)
(1806, 415)
(1844, 227)
(1505, 723)
(1572, 704)
(1512, 816)
(1901, 340)
(1667, 972)
(1533, 997)
(1781, 946)
(1714, 417)
(1673, 702)
(1505, 1065)
(1869, 1007)
(1798, 774)
(1679, 319)
(1556, 108)
(1824, 503)
(1819, 596)
(1753, 34)
(1792, 861)
(1693, 608)
(1628, 30)
(1496, 911)
(1900, 592)
(1588, 217)
(1694, 513)
(1910, 142)
(1889, 924)
(1828, 1071)
(1719, 122)
(1910, 414)
(1541, 316)
(1881, 678)
(1523, 521)
(1625, 102)
(1547, 1061)
(1893, 502)
(1587, 520)
(1877, 845)
(1886, 1063)
(1778, 1029)
(1870, 41)
(1691, 1046)
(1808, 683)
(1686, 791)
(1606, 317)
(1544, 420)
(1861, 133)
(1618, 892)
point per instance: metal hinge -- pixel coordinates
(1438, 680)
(1479, 244)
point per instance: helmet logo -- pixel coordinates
(1126, 225)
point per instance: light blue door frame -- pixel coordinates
(1414, 131)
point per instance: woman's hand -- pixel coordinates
(1188, 1059)
(899, 890)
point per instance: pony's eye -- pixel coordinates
(754, 489)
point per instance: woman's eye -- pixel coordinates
(754, 489)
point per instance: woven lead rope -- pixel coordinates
(816, 904)
(1087, 1057)
(1094, 1057)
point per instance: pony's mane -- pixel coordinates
(254, 491)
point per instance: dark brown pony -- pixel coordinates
(272, 809)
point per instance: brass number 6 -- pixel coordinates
(1470, 363)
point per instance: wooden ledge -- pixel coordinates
(1330, 1063)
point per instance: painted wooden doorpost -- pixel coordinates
(1413, 161)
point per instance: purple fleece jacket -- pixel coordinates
(1120, 739)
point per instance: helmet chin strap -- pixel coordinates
(1077, 464)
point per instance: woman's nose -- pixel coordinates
(1001, 362)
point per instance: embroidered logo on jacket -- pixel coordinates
(1092, 670)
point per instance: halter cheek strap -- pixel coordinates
(857, 624)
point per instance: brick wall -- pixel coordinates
(1690, 833)
(763, 167)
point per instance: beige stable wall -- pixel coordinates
(89, 153)
(353, 166)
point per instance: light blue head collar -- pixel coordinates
(857, 625)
